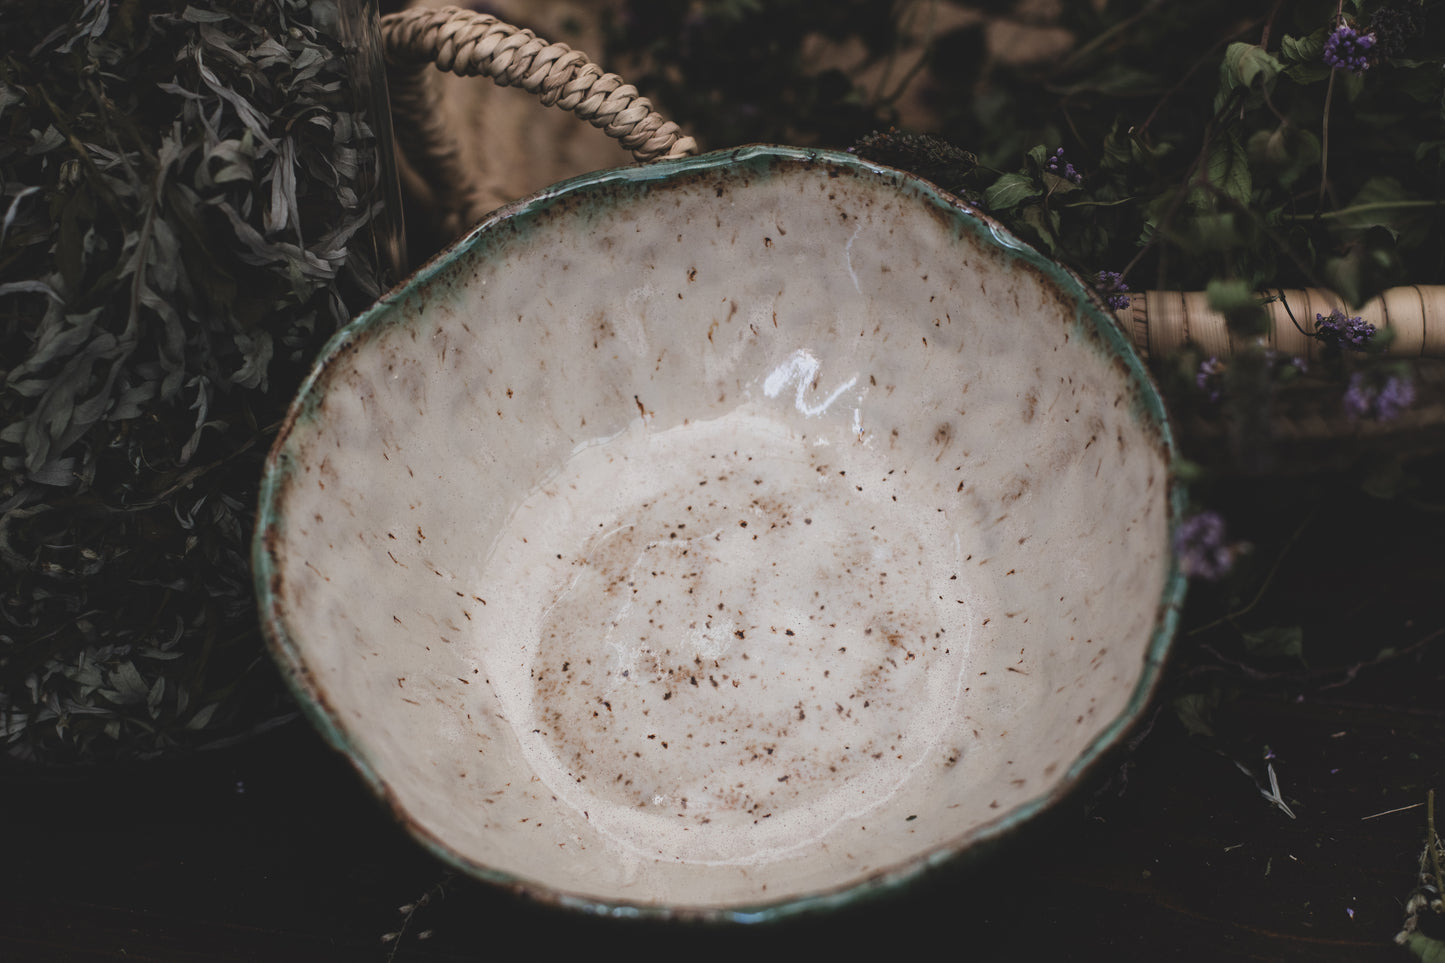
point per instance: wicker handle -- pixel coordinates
(1162, 321)
(471, 44)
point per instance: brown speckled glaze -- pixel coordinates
(720, 537)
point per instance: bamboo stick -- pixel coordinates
(1161, 322)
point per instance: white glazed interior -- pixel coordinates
(719, 541)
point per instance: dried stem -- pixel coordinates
(1325, 124)
(1264, 586)
(1269, 24)
(1325, 145)
(1104, 38)
(1432, 842)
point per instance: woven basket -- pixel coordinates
(1310, 428)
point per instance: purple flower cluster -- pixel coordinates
(1058, 164)
(1210, 379)
(1336, 330)
(1111, 286)
(1378, 401)
(1348, 49)
(1209, 376)
(1202, 548)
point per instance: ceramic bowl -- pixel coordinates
(723, 537)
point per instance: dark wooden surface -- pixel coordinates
(272, 850)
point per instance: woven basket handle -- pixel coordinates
(471, 44)
(1162, 321)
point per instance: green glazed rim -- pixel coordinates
(755, 159)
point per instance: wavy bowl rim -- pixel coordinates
(291, 664)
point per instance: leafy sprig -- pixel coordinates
(1233, 148)
(190, 197)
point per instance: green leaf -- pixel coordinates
(1245, 65)
(1418, 81)
(1195, 711)
(1303, 57)
(1216, 232)
(1118, 149)
(1188, 471)
(1425, 949)
(1304, 74)
(1383, 202)
(128, 686)
(1228, 168)
(154, 696)
(194, 15)
(203, 716)
(1277, 642)
(1059, 185)
(1309, 49)
(1009, 191)
(1369, 264)
(1230, 295)
(1284, 154)
(1044, 225)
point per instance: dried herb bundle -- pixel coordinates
(190, 207)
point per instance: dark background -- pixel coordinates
(272, 849)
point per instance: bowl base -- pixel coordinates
(724, 637)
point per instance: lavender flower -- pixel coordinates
(1058, 164)
(1201, 546)
(1338, 331)
(1359, 397)
(1348, 49)
(1379, 402)
(1210, 379)
(1397, 394)
(1110, 284)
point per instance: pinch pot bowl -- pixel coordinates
(723, 538)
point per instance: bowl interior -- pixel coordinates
(733, 532)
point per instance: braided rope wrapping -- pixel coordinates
(471, 44)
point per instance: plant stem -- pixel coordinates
(1354, 209)
(1325, 124)
(1432, 840)
(1285, 301)
(1093, 203)
(1269, 24)
(1264, 587)
(1325, 147)
(1105, 37)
